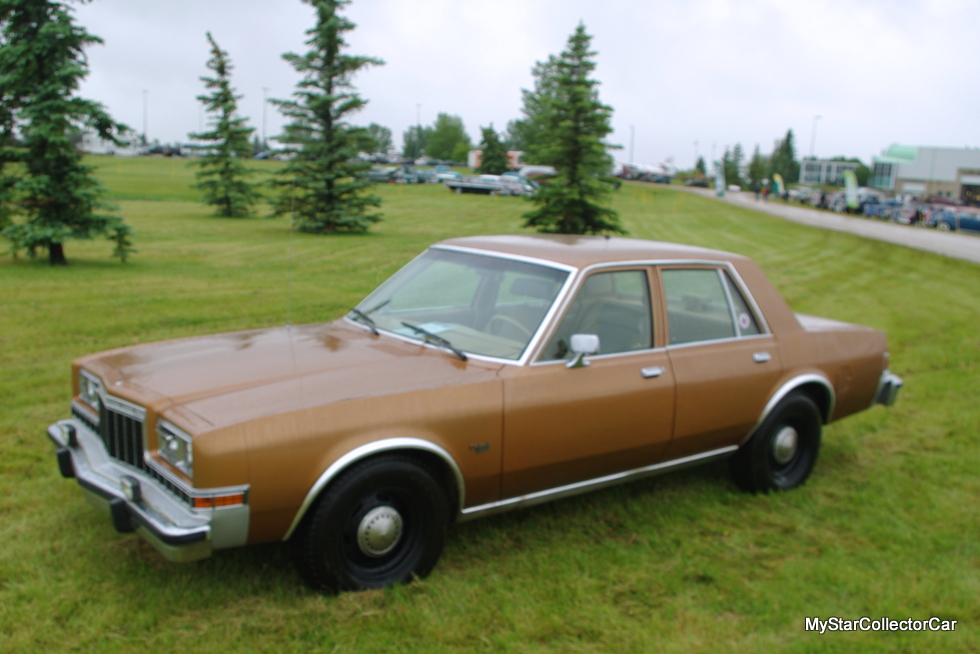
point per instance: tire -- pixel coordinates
(782, 452)
(381, 523)
(943, 226)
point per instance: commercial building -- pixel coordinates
(925, 172)
(823, 172)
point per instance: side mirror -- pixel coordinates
(583, 345)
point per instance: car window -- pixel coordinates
(615, 306)
(744, 318)
(480, 304)
(697, 305)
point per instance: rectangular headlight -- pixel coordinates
(89, 389)
(175, 446)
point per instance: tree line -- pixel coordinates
(49, 196)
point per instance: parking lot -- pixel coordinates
(958, 246)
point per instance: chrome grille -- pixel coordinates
(123, 436)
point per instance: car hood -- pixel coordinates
(229, 378)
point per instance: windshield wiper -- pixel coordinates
(366, 319)
(429, 337)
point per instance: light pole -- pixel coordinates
(813, 134)
(631, 145)
(146, 140)
(265, 101)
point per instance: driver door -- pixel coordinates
(567, 425)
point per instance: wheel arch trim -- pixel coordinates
(369, 450)
(788, 387)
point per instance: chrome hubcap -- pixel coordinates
(379, 531)
(785, 444)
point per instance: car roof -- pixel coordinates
(583, 251)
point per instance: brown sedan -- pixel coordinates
(488, 374)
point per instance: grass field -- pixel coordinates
(887, 526)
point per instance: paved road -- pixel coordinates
(958, 246)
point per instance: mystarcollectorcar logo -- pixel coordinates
(879, 624)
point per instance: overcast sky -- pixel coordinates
(689, 76)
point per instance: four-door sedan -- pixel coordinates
(490, 373)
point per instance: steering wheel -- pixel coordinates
(507, 320)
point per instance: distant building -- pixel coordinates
(91, 143)
(823, 172)
(475, 157)
(925, 172)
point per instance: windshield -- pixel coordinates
(479, 304)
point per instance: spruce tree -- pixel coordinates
(575, 123)
(523, 134)
(323, 185)
(223, 176)
(56, 197)
(493, 161)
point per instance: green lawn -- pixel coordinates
(887, 525)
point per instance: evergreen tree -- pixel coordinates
(7, 155)
(574, 124)
(523, 134)
(493, 161)
(56, 198)
(758, 165)
(223, 176)
(446, 137)
(732, 163)
(322, 184)
(700, 167)
(783, 160)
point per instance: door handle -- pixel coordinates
(761, 357)
(652, 371)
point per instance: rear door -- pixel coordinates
(724, 359)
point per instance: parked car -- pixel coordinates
(488, 374)
(956, 220)
(407, 174)
(444, 174)
(381, 174)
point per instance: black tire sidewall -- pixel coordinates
(327, 553)
(759, 471)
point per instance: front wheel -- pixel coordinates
(782, 452)
(383, 522)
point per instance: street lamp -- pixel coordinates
(813, 134)
(146, 140)
(631, 145)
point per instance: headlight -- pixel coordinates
(89, 388)
(175, 445)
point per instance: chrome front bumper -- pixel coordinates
(888, 387)
(137, 502)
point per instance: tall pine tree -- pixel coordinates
(223, 176)
(493, 161)
(322, 185)
(522, 134)
(56, 198)
(574, 125)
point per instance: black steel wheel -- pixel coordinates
(782, 452)
(383, 522)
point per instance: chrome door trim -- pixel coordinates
(577, 488)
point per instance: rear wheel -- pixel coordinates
(381, 523)
(782, 452)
